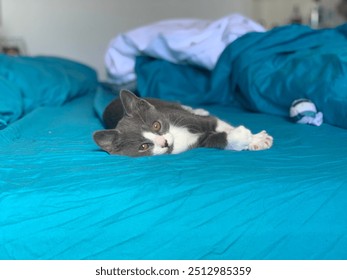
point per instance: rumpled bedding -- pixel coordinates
(63, 198)
(189, 41)
(262, 72)
(27, 83)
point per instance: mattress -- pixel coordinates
(63, 198)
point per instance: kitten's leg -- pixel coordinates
(240, 138)
(198, 112)
(217, 140)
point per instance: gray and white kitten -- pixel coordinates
(144, 127)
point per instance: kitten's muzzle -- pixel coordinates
(165, 142)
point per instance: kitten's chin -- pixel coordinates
(162, 151)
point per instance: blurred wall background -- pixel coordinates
(82, 29)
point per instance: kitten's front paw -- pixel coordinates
(260, 141)
(239, 138)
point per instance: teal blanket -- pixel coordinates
(63, 198)
(262, 72)
(27, 83)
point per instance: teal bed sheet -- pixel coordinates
(63, 198)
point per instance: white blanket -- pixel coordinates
(192, 41)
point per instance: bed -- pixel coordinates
(63, 198)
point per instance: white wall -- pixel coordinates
(278, 12)
(82, 29)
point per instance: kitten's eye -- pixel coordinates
(144, 147)
(156, 126)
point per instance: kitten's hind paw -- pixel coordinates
(201, 112)
(260, 141)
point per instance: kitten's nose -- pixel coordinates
(161, 142)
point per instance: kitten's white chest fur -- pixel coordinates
(183, 139)
(178, 137)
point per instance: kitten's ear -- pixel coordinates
(132, 103)
(106, 139)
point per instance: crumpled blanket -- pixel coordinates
(189, 41)
(263, 72)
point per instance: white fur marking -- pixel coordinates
(261, 141)
(222, 126)
(158, 141)
(198, 112)
(239, 139)
(183, 139)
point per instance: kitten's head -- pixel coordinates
(143, 131)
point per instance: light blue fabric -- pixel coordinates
(63, 198)
(264, 72)
(27, 83)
